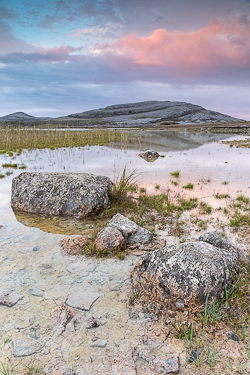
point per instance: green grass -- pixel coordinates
(187, 204)
(9, 165)
(175, 183)
(175, 174)
(188, 186)
(239, 220)
(205, 208)
(222, 196)
(124, 184)
(243, 199)
(2, 175)
(157, 187)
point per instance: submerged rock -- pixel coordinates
(110, 239)
(149, 155)
(75, 245)
(67, 194)
(181, 276)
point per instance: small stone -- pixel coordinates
(9, 298)
(81, 300)
(92, 323)
(75, 245)
(180, 304)
(110, 239)
(231, 335)
(26, 347)
(100, 343)
(193, 356)
(69, 372)
(36, 248)
(33, 333)
(166, 366)
(37, 292)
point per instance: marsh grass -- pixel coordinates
(123, 184)
(175, 174)
(222, 196)
(188, 186)
(15, 140)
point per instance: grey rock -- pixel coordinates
(37, 292)
(149, 155)
(231, 335)
(25, 347)
(193, 356)
(67, 194)
(100, 343)
(111, 239)
(82, 300)
(130, 230)
(166, 366)
(69, 372)
(183, 275)
(9, 298)
(36, 248)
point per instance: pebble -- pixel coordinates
(37, 292)
(193, 356)
(166, 366)
(26, 347)
(231, 335)
(100, 343)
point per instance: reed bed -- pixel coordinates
(26, 138)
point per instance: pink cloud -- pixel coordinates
(219, 45)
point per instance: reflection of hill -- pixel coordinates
(168, 140)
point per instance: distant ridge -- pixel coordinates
(21, 116)
(152, 113)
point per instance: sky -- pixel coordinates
(59, 57)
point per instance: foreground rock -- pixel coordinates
(149, 155)
(75, 245)
(110, 239)
(182, 276)
(132, 232)
(67, 194)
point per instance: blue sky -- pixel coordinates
(60, 57)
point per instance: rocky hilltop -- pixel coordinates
(21, 116)
(152, 113)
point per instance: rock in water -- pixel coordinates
(182, 276)
(149, 155)
(67, 194)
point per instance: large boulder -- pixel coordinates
(67, 194)
(132, 232)
(182, 276)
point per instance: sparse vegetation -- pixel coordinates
(222, 196)
(188, 186)
(175, 174)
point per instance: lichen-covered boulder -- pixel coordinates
(67, 194)
(110, 239)
(132, 232)
(75, 245)
(178, 277)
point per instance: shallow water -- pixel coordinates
(198, 157)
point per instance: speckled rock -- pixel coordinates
(67, 194)
(110, 239)
(178, 277)
(132, 232)
(124, 364)
(25, 347)
(166, 366)
(75, 245)
(149, 155)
